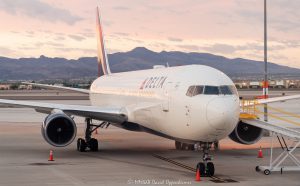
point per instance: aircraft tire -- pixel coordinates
(210, 169)
(93, 143)
(201, 167)
(178, 145)
(81, 145)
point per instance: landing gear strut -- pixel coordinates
(184, 146)
(206, 167)
(89, 142)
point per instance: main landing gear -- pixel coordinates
(184, 146)
(206, 168)
(89, 142)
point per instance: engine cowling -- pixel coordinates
(246, 134)
(59, 129)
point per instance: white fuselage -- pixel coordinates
(157, 100)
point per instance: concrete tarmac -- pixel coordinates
(125, 158)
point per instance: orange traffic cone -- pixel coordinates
(260, 154)
(198, 175)
(51, 156)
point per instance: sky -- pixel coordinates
(231, 28)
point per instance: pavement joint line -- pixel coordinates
(213, 178)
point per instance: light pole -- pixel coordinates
(266, 83)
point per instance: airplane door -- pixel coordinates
(167, 97)
(169, 90)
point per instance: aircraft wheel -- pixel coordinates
(191, 147)
(210, 169)
(178, 145)
(81, 145)
(93, 143)
(185, 146)
(201, 168)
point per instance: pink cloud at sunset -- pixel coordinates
(232, 28)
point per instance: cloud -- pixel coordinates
(282, 15)
(291, 43)
(220, 48)
(38, 10)
(158, 44)
(83, 50)
(88, 34)
(59, 38)
(189, 47)
(76, 37)
(230, 49)
(4, 51)
(123, 8)
(48, 43)
(27, 48)
(175, 39)
(121, 33)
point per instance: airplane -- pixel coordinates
(189, 104)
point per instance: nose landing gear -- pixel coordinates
(206, 168)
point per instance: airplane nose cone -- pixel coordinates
(222, 113)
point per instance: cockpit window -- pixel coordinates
(190, 91)
(211, 90)
(194, 91)
(198, 90)
(233, 89)
(225, 90)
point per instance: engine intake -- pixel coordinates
(59, 129)
(246, 134)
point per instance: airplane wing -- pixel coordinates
(110, 114)
(274, 128)
(85, 91)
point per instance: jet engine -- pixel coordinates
(59, 129)
(246, 134)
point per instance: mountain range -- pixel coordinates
(139, 58)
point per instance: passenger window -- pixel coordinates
(211, 90)
(225, 90)
(190, 91)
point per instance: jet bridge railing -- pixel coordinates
(284, 119)
(248, 109)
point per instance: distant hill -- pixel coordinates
(136, 59)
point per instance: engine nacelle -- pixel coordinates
(59, 129)
(246, 134)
